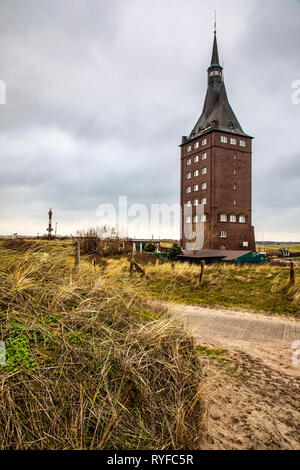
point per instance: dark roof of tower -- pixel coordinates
(217, 112)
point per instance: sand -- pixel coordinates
(254, 399)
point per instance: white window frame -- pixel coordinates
(195, 219)
(204, 142)
(223, 234)
(235, 202)
(234, 187)
(235, 172)
(242, 219)
(196, 202)
(196, 159)
(189, 149)
(203, 201)
(204, 186)
(204, 171)
(189, 175)
(204, 156)
(232, 219)
(196, 145)
(196, 188)
(188, 204)
(224, 139)
(188, 220)
(223, 218)
(196, 173)
(189, 161)
(203, 218)
(242, 143)
(188, 190)
(233, 141)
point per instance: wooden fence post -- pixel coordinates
(292, 273)
(201, 271)
(134, 265)
(77, 253)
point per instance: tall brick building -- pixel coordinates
(216, 173)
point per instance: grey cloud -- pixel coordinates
(100, 92)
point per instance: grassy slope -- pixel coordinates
(88, 364)
(258, 287)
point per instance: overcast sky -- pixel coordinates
(99, 93)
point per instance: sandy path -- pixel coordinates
(258, 405)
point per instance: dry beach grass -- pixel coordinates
(89, 365)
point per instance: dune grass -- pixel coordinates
(89, 364)
(262, 287)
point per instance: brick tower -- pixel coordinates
(216, 173)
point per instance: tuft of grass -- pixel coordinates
(90, 364)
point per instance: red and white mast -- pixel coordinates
(50, 229)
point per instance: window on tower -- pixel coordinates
(242, 143)
(224, 139)
(233, 141)
(196, 146)
(204, 142)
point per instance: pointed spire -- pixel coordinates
(215, 54)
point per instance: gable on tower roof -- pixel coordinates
(217, 112)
